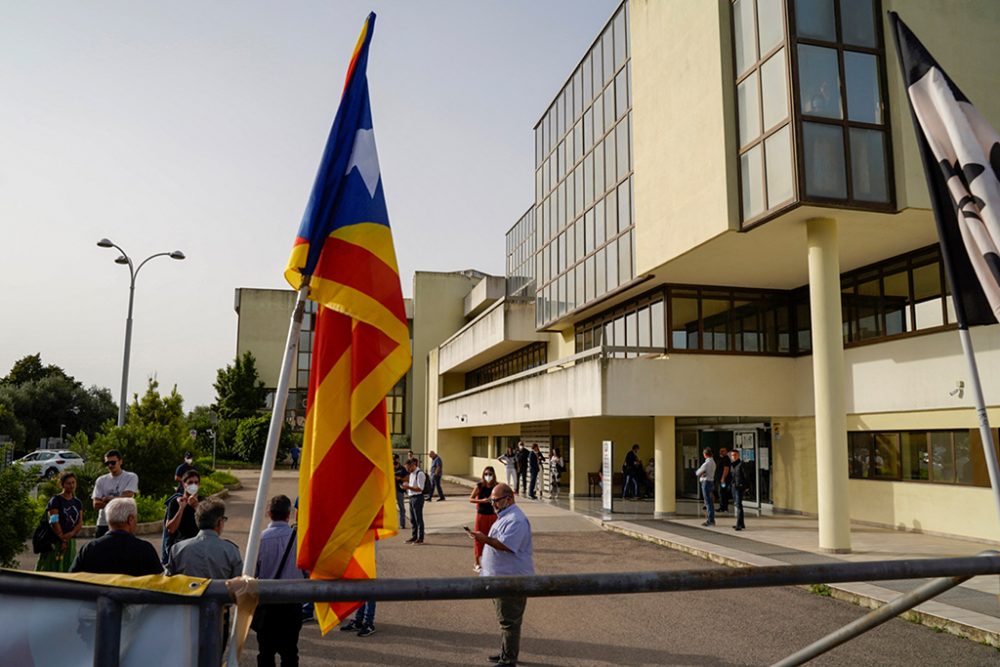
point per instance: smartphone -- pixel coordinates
(466, 529)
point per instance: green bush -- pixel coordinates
(251, 439)
(224, 478)
(151, 508)
(209, 487)
(19, 513)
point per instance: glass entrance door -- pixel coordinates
(754, 447)
(688, 460)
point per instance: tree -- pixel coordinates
(18, 513)
(30, 369)
(238, 389)
(9, 425)
(152, 440)
(251, 439)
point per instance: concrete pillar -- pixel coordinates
(665, 463)
(828, 386)
(584, 455)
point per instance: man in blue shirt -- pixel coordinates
(507, 552)
(437, 467)
(278, 625)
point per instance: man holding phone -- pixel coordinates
(507, 551)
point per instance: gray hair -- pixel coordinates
(209, 513)
(119, 510)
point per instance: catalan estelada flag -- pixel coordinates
(361, 349)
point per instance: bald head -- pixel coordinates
(502, 497)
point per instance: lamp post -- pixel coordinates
(133, 272)
(62, 427)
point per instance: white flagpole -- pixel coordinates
(985, 432)
(270, 453)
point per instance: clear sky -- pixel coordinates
(198, 126)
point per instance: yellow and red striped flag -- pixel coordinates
(361, 349)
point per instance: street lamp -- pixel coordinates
(133, 272)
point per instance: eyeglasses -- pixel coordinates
(494, 501)
(111, 463)
(225, 518)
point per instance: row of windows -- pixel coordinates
(891, 298)
(521, 256)
(940, 457)
(531, 356)
(597, 69)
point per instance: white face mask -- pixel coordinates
(191, 489)
(189, 461)
(488, 478)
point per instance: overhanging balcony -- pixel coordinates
(504, 327)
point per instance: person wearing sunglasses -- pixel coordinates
(507, 551)
(117, 483)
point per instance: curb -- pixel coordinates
(858, 593)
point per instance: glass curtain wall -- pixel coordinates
(521, 256)
(584, 240)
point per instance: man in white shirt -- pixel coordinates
(117, 483)
(706, 477)
(414, 487)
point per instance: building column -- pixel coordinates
(828, 386)
(665, 464)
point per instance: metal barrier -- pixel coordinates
(110, 601)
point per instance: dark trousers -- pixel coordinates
(417, 516)
(279, 635)
(510, 613)
(724, 494)
(401, 508)
(522, 481)
(436, 486)
(534, 481)
(738, 506)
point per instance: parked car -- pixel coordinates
(49, 462)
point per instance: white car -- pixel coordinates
(49, 462)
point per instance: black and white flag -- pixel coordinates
(961, 154)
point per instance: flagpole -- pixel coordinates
(985, 432)
(271, 451)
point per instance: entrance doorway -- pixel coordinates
(753, 441)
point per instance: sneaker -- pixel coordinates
(477, 568)
(366, 631)
(420, 541)
(351, 626)
(708, 523)
(411, 540)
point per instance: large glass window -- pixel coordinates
(762, 106)
(526, 358)
(942, 457)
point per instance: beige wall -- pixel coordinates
(935, 508)
(262, 329)
(683, 146)
(793, 467)
(562, 344)
(438, 312)
(586, 436)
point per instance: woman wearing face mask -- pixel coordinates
(179, 523)
(485, 516)
(65, 513)
(510, 463)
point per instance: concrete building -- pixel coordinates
(731, 244)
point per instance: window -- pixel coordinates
(839, 60)
(481, 446)
(395, 404)
(526, 358)
(762, 100)
(941, 457)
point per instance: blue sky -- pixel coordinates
(198, 126)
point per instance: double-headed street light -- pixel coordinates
(133, 272)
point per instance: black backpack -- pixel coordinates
(428, 484)
(44, 538)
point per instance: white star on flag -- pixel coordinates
(365, 158)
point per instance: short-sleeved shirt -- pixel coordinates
(188, 527)
(436, 467)
(417, 479)
(513, 529)
(69, 511)
(109, 485)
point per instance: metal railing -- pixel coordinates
(948, 572)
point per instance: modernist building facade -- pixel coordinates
(731, 244)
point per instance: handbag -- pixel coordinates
(259, 619)
(44, 539)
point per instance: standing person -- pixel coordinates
(521, 457)
(535, 461)
(119, 551)
(510, 463)
(722, 479)
(507, 552)
(706, 478)
(207, 554)
(363, 622)
(632, 471)
(414, 487)
(117, 483)
(400, 474)
(187, 464)
(179, 521)
(296, 453)
(437, 468)
(555, 471)
(278, 625)
(65, 512)
(740, 482)
(485, 516)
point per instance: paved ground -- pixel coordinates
(724, 628)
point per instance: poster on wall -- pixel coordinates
(607, 475)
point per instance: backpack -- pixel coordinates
(428, 484)
(44, 538)
(168, 539)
